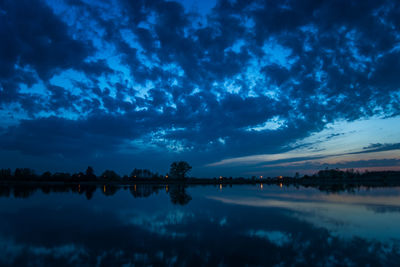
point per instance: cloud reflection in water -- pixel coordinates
(236, 226)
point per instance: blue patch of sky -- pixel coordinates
(236, 47)
(231, 87)
(255, 81)
(278, 54)
(67, 79)
(35, 89)
(272, 124)
(142, 90)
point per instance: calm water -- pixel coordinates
(203, 225)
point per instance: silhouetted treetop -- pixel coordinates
(179, 169)
(90, 173)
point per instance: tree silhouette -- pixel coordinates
(5, 174)
(24, 174)
(46, 176)
(179, 169)
(110, 175)
(141, 173)
(90, 173)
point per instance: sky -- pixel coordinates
(236, 88)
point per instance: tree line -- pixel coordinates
(178, 170)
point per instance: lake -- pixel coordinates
(237, 225)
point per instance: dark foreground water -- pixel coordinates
(203, 225)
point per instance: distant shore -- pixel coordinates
(322, 179)
(308, 181)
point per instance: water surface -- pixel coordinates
(203, 225)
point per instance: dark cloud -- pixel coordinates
(66, 137)
(380, 147)
(364, 164)
(152, 72)
(36, 38)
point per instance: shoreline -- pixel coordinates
(307, 182)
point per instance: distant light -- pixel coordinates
(280, 177)
(166, 176)
(220, 177)
(261, 177)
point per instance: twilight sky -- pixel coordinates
(233, 87)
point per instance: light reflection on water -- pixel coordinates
(203, 225)
(363, 214)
